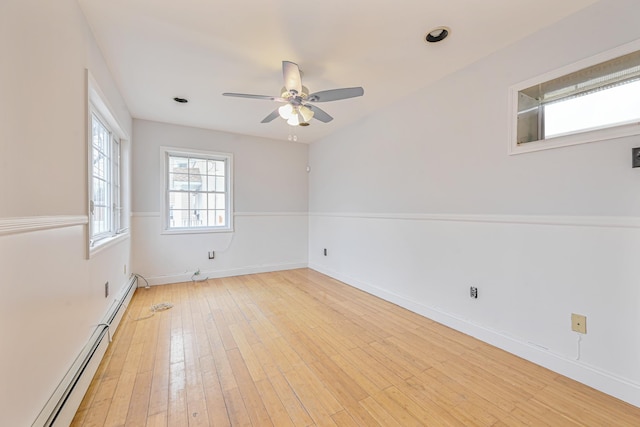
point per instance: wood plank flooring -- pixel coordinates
(297, 348)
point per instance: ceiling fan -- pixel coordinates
(298, 106)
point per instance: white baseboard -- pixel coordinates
(61, 407)
(600, 380)
(215, 274)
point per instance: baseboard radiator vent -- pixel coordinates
(63, 404)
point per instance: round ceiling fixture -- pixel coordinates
(181, 100)
(437, 34)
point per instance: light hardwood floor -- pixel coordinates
(297, 348)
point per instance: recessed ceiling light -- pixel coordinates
(181, 100)
(437, 34)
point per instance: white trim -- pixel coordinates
(97, 103)
(578, 221)
(604, 381)
(145, 214)
(107, 243)
(271, 214)
(34, 223)
(70, 406)
(215, 274)
(96, 97)
(157, 214)
(612, 132)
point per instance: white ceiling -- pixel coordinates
(198, 49)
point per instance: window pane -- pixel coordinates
(195, 182)
(178, 181)
(179, 200)
(219, 168)
(178, 162)
(197, 218)
(220, 201)
(220, 218)
(178, 218)
(100, 164)
(211, 183)
(100, 135)
(609, 107)
(199, 200)
(100, 220)
(199, 166)
(220, 184)
(100, 192)
(211, 218)
(211, 201)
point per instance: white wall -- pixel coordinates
(421, 201)
(270, 202)
(52, 295)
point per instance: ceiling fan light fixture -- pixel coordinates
(286, 111)
(306, 113)
(437, 34)
(294, 120)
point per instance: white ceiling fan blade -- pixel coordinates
(336, 94)
(319, 114)
(246, 95)
(271, 116)
(291, 74)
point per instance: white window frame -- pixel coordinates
(582, 137)
(118, 175)
(165, 152)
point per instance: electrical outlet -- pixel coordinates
(212, 254)
(473, 292)
(106, 289)
(197, 273)
(579, 323)
(325, 252)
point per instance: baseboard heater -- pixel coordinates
(63, 404)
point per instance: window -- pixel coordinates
(105, 202)
(593, 100)
(107, 173)
(197, 191)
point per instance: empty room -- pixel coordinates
(275, 213)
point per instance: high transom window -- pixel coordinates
(594, 102)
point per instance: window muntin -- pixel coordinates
(593, 100)
(197, 191)
(105, 198)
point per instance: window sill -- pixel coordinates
(197, 230)
(107, 243)
(577, 138)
